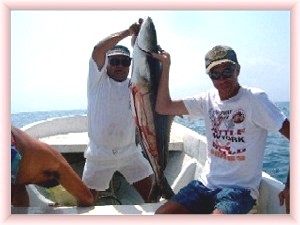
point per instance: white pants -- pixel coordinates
(98, 173)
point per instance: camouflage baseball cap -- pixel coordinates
(119, 50)
(218, 55)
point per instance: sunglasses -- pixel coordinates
(116, 62)
(227, 73)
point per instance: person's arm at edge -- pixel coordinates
(284, 195)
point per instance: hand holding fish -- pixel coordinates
(163, 56)
(135, 27)
(134, 30)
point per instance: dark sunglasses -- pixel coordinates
(227, 73)
(116, 62)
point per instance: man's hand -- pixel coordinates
(134, 31)
(163, 56)
(284, 197)
(135, 28)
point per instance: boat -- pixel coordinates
(187, 154)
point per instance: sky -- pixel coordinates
(50, 51)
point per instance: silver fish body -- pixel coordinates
(153, 129)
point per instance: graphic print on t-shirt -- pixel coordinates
(228, 134)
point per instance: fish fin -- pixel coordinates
(167, 191)
(163, 190)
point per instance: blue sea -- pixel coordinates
(276, 161)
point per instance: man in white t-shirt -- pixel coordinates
(237, 120)
(111, 126)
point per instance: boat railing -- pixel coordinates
(55, 126)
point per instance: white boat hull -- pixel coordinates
(69, 134)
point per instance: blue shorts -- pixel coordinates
(201, 200)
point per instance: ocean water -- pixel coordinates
(276, 160)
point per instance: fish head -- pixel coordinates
(147, 38)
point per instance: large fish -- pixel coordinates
(153, 129)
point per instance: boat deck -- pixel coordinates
(144, 209)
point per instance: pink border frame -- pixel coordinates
(6, 6)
